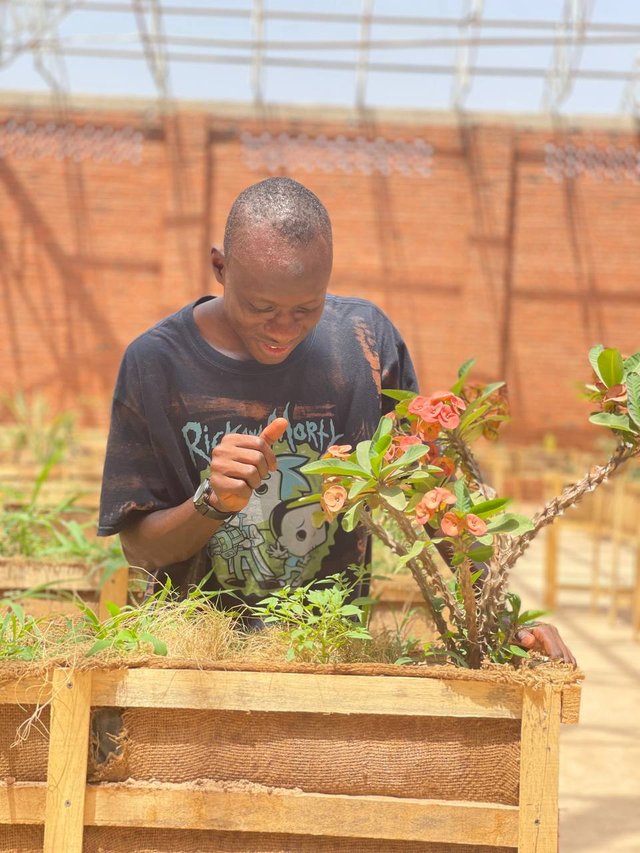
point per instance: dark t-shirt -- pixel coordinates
(176, 397)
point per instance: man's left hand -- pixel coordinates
(545, 638)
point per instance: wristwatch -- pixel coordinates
(201, 503)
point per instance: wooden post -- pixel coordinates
(539, 770)
(115, 589)
(68, 756)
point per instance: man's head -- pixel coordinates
(275, 268)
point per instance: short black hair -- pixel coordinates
(291, 209)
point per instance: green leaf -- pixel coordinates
(412, 454)
(488, 508)
(416, 549)
(611, 367)
(305, 500)
(159, 647)
(481, 553)
(633, 397)
(594, 353)
(463, 372)
(632, 365)
(360, 486)
(511, 523)
(394, 496)
(382, 430)
(363, 455)
(351, 517)
(462, 494)
(381, 446)
(518, 652)
(617, 422)
(335, 467)
(398, 395)
(98, 647)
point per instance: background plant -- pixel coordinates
(416, 486)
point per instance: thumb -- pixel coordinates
(526, 638)
(274, 431)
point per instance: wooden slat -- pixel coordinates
(33, 690)
(23, 802)
(303, 814)
(570, 704)
(538, 824)
(18, 574)
(68, 755)
(114, 590)
(294, 692)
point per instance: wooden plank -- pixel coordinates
(538, 824)
(306, 692)
(570, 704)
(115, 589)
(22, 802)
(33, 690)
(301, 813)
(21, 574)
(68, 755)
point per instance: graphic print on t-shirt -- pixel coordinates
(271, 543)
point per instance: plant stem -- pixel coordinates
(417, 572)
(469, 464)
(570, 496)
(470, 612)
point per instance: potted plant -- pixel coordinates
(220, 753)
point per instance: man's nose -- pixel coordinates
(283, 328)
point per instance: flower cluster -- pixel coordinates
(442, 408)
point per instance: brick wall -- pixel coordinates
(513, 244)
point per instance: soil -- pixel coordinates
(600, 757)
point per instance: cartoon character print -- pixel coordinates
(295, 538)
(246, 551)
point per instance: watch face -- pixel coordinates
(202, 491)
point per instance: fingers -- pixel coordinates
(239, 464)
(545, 638)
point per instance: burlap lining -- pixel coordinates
(119, 840)
(26, 839)
(424, 757)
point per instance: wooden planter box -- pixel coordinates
(398, 595)
(349, 758)
(20, 573)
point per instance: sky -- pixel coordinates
(233, 82)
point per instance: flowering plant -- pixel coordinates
(416, 486)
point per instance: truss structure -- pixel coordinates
(165, 35)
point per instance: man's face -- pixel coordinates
(273, 292)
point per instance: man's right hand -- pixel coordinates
(239, 464)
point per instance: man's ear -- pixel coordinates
(218, 265)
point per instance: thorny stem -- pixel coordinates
(470, 612)
(494, 586)
(569, 497)
(416, 571)
(469, 464)
(425, 560)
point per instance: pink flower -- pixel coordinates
(337, 451)
(332, 501)
(617, 394)
(475, 525)
(438, 498)
(447, 465)
(423, 513)
(398, 446)
(443, 408)
(451, 524)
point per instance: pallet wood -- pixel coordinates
(67, 803)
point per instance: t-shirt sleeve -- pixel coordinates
(131, 480)
(396, 368)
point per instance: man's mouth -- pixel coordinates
(277, 350)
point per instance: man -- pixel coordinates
(218, 407)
